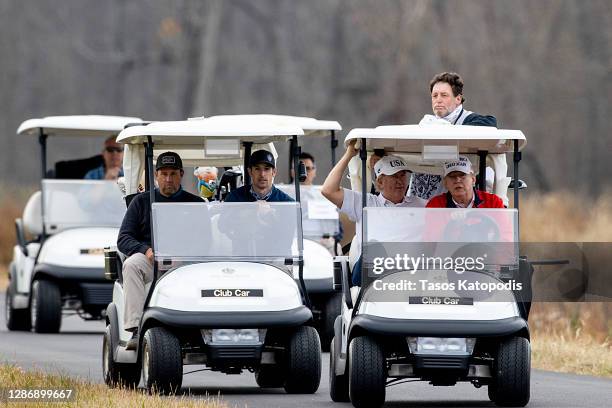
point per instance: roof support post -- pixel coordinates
(482, 170)
(247, 156)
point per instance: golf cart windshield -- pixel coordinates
(319, 216)
(440, 245)
(258, 231)
(81, 203)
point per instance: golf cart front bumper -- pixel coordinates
(438, 328)
(71, 273)
(89, 284)
(219, 320)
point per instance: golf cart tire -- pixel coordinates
(333, 306)
(303, 362)
(338, 384)
(16, 319)
(269, 376)
(117, 375)
(47, 316)
(512, 369)
(366, 369)
(165, 362)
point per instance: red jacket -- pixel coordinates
(481, 200)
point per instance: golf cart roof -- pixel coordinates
(310, 126)
(76, 125)
(192, 133)
(412, 138)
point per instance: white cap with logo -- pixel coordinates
(389, 165)
(462, 164)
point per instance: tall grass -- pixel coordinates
(12, 200)
(87, 394)
(566, 217)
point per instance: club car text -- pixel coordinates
(436, 300)
(232, 293)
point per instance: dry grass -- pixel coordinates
(564, 217)
(572, 337)
(3, 278)
(573, 353)
(569, 337)
(91, 395)
(12, 201)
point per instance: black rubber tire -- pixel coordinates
(367, 375)
(511, 373)
(338, 384)
(303, 362)
(332, 310)
(16, 319)
(162, 361)
(270, 376)
(47, 315)
(117, 374)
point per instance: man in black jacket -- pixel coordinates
(135, 238)
(447, 101)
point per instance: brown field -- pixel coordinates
(91, 395)
(558, 329)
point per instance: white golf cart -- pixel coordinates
(320, 222)
(58, 262)
(424, 310)
(225, 296)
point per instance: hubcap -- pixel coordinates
(7, 309)
(34, 301)
(145, 362)
(106, 354)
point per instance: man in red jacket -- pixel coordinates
(459, 180)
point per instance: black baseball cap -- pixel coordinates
(169, 159)
(262, 156)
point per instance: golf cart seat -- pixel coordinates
(76, 169)
(32, 218)
(228, 181)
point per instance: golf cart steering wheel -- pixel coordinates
(475, 224)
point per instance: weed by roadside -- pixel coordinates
(91, 395)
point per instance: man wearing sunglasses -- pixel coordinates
(113, 160)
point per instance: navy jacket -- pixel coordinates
(135, 232)
(475, 119)
(243, 195)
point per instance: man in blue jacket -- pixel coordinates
(261, 232)
(262, 170)
(135, 238)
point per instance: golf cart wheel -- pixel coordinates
(333, 307)
(16, 319)
(303, 362)
(270, 376)
(162, 361)
(367, 375)
(512, 368)
(338, 384)
(117, 374)
(45, 307)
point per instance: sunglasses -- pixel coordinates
(110, 149)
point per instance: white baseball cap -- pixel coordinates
(462, 164)
(389, 165)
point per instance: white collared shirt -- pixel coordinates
(470, 204)
(351, 206)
